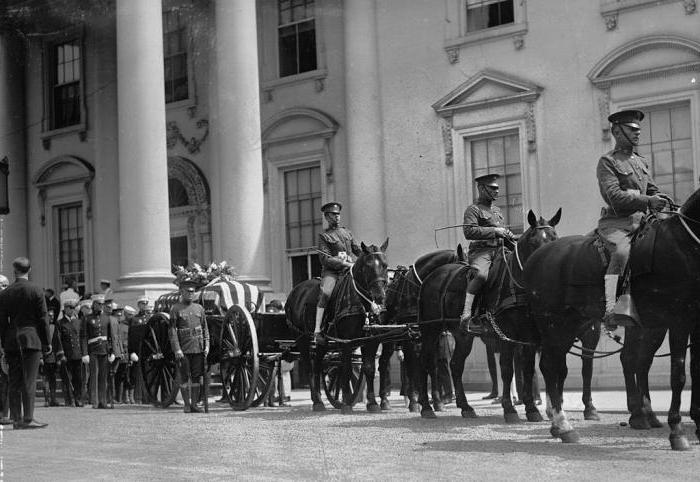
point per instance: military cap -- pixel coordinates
(70, 303)
(630, 118)
(487, 180)
(116, 308)
(105, 282)
(98, 298)
(142, 299)
(129, 310)
(84, 303)
(188, 285)
(331, 207)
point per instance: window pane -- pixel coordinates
(69, 244)
(288, 51)
(307, 46)
(489, 13)
(660, 126)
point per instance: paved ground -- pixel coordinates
(139, 443)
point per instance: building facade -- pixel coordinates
(142, 134)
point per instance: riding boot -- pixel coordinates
(319, 339)
(195, 407)
(610, 300)
(466, 322)
(185, 390)
(130, 396)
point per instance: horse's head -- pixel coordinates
(370, 271)
(539, 233)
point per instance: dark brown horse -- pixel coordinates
(565, 290)
(346, 313)
(401, 307)
(440, 305)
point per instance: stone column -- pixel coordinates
(240, 237)
(13, 227)
(364, 123)
(144, 221)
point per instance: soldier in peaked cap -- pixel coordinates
(69, 328)
(137, 331)
(484, 227)
(189, 338)
(98, 350)
(627, 187)
(338, 251)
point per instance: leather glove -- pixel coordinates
(86, 359)
(400, 355)
(179, 355)
(47, 350)
(111, 358)
(134, 357)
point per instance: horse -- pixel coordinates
(564, 283)
(356, 294)
(401, 306)
(440, 305)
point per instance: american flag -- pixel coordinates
(217, 297)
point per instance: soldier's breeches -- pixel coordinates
(191, 367)
(327, 285)
(618, 242)
(99, 368)
(481, 262)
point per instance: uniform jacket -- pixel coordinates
(331, 243)
(188, 328)
(23, 318)
(626, 185)
(121, 338)
(137, 330)
(480, 223)
(54, 305)
(56, 345)
(96, 335)
(69, 329)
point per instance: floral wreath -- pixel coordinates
(195, 273)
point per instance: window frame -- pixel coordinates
(296, 24)
(189, 49)
(56, 248)
(49, 60)
(490, 2)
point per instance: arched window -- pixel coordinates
(177, 194)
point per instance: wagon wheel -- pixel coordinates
(266, 376)
(330, 378)
(158, 362)
(242, 370)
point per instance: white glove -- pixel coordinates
(375, 308)
(86, 359)
(134, 357)
(342, 255)
(111, 358)
(179, 355)
(400, 355)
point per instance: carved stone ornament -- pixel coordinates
(173, 135)
(610, 21)
(446, 127)
(690, 6)
(531, 127)
(319, 85)
(604, 109)
(453, 55)
(518, 42)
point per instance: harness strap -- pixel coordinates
(687, 228)
(415, 273)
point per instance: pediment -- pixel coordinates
(296, 124)
(62, 170)
(486, 89)
(647, 57)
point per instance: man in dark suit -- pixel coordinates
(24, 330)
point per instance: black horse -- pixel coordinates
(440, 305)
(355, 293)
(401, 307)
(565, 291)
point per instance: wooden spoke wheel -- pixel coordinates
(158, 365)
(267, 373)
(239, 357)
(330, 378)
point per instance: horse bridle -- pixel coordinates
(381, 279)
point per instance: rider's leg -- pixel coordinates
(481, 262)
(327, 285)
(618, 260)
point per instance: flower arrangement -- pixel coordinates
(203, 275)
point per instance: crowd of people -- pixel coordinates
(90, 342)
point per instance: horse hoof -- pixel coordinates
(654, 422)
(319, 407)
(549, 413)
(511, 417)
(373, 408)
(427, 413)
(679, 442)
(534, 416)
(385, 404)
(570, 437)
(591, 414)
(439, 406)
(346, 409)
(697, 434)
(554, 431)
(469, 413)
(639, 423)
(414, 407)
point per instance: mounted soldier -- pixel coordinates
(338, 251)
(189, 338)
(629, 191)
(484, 227)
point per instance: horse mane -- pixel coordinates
(691, 207)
